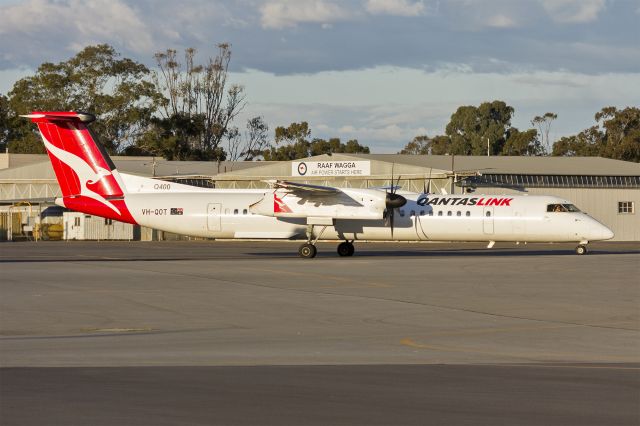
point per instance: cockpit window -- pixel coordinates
(562, 208)
(556, 208)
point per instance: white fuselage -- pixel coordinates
(222, 213)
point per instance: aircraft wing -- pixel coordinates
(301, 200)
(303, 189)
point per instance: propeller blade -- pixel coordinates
(391, 215)
(427, 187)
(397, 185)
(392, 166)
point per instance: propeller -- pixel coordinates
(425, 187)
(393, 201)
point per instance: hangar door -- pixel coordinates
(213, 216)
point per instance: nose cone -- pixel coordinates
(607, 233)
(599, 232)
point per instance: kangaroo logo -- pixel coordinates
(280, 206)
(86, 174)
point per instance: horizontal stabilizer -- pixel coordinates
(60, 116)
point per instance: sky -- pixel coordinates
(380, 71)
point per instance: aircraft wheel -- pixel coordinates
(581, 249)
(346, 249)
(307, 251)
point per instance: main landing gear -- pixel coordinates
(346, 249)
(308, 250)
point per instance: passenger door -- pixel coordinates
(213, 216)
(487, 220)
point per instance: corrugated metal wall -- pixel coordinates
(79, 226)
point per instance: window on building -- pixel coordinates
(76, 221)
(626, 207)
(108, 221)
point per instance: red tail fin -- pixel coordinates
(88, 178)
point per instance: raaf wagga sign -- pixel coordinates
(331, 168)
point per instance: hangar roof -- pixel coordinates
(37, 167)
(516, 165)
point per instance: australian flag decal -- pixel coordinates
(176, 211)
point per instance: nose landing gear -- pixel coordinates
(307, 250)
(581, 249)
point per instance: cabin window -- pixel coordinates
(459, 214)
(244, 211)
(235, 211)
(401, 212)
(449, 213)
(440, 213)
(488, 214)
(226, 211)
(413, 213)
(421, 212)
(430, 212)
(625, 207)
(468, 213)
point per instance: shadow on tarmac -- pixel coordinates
(329, 252)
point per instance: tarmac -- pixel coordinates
(229, 332)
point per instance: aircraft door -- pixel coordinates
(518, 224)
(487, 220)
(213, 216)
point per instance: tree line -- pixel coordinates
(188, 111)
(487, 129)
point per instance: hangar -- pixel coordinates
(609, 190)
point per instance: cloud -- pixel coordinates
(574, 11)
(75, 21)
(396, 7)
(278, 14)
(501, 21)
